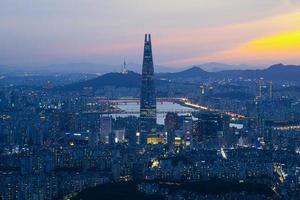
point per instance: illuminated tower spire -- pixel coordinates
(124, 68)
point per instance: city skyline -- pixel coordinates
(187, 135)
(253, 32)
(150, 100)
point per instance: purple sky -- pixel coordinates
(184, 32)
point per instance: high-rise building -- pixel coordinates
(171, 124)
(207, 127)
(187, 124)
(119, 136)
(148, 97)
(171, 121)
(105, 129)
(264, 90)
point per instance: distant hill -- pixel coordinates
(129, 80)
(217, 67)
(277, 73)
(85, 68)
(114, 79)
(191, 73)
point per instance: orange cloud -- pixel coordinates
(281, 43)
(266, 41)
(281, 47)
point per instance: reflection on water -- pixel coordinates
(161, 107)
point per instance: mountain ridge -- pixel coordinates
(100, 68)
(276, 73)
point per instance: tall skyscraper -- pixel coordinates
(148, 96)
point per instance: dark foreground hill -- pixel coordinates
(117, 191)
(129, 190)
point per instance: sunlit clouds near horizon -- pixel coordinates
(252, 32)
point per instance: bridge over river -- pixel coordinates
(137, 100)
(181, 105)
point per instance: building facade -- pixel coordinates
(148, 96)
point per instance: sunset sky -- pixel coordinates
(184, 32)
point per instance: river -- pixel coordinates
(162, 109)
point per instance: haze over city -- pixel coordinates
(252, 32)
